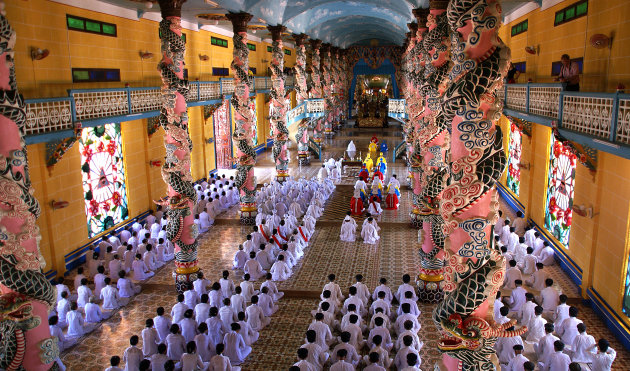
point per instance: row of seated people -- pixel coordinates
(368, 324)
(116, 266)
(555, 338)
(211, 329)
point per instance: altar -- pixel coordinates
(372, 101)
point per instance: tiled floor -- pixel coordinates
(395, 255)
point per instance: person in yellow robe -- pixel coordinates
(372, 149)
(368, 163)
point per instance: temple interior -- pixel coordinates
(485, 164)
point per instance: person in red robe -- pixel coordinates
(377, 173)
(356, 203)
(364, 174)
(391, 201)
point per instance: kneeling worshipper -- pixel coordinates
(362, 187)
(377, 188)
(391, 202)
(348, 229)
(356, 203)
(381, 163)
(368, 163)
(373, 146)
(369, 232)
(374, 207)
(364, 174)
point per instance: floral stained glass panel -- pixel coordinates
(103, 173)
(560, 190)
(514, 159)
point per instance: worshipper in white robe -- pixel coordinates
(221, 362)
(266, 303)
(517, 297)
(93, 313)
(568, 329)
(348, 229)
(323, 334)
(547, 255)
(235, 347)
(84, 293)
(75, 321)
(374, 206)
(562, 310)
(536, 326)
(400, 361)
(188, 326)
(159, 359)
(511, 275)
(132, 355)
(519, 359)
(162, 324)
(537, 280)
(351, 150)
(150, 339)
(126, 288)
(558, 360)
(369, 233)
(582, 346)
(255, 315)
(175, 343)
(203, 343)
(605, 356)
(253, 267)
(249, 335)
(544, 348)
(505, 347)
(56, 331)
(321, 174)
(110, 297)
(280, 270)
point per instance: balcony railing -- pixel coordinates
(311, 108)
(95, 106)
(397, 108)
(601, 120)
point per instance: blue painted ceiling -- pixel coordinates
(339, 22)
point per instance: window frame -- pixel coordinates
(220, 70)
(251, 47)
(515, 27)
(117, 70)
(287, 51)
(269, 49)
(217, 41)
(518, 65)
(85, 29)
(573, 7)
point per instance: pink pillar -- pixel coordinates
(475, 268)
(278, 104)
(316, 85)
(181, 196)
(244, 117)
(25, 294)
(301, 92)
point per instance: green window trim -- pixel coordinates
(81, 24)
(269, 49)
(251, 47)
(287, 51)
(571, 12)
(218, 42)
(519, 28)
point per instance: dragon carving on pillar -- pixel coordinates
(26, 295)
(474, 269)
(316, 85)
(328, 88)
(244, 116)
(278, 104)
(181, 196)
(301, 93)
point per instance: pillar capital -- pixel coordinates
(421, 16)
(171, 8)
(413, 27)
(438, 4)
(276, 32)
(325, 48)
(300, 39)
(239, 21)
(316, 44)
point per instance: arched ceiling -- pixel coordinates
(339, 22)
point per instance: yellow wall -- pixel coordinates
(597, 245)
(603, 68)
(42, 23)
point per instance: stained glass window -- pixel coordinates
(223, 136)
(514, 159)
(560, 187)
(252, 106)
(103, 174)
(626, 296)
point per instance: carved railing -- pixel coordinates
(601, 120)
(311, 108)
(397, 108)
(314, 147)
(99, 105)
(398, 150)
